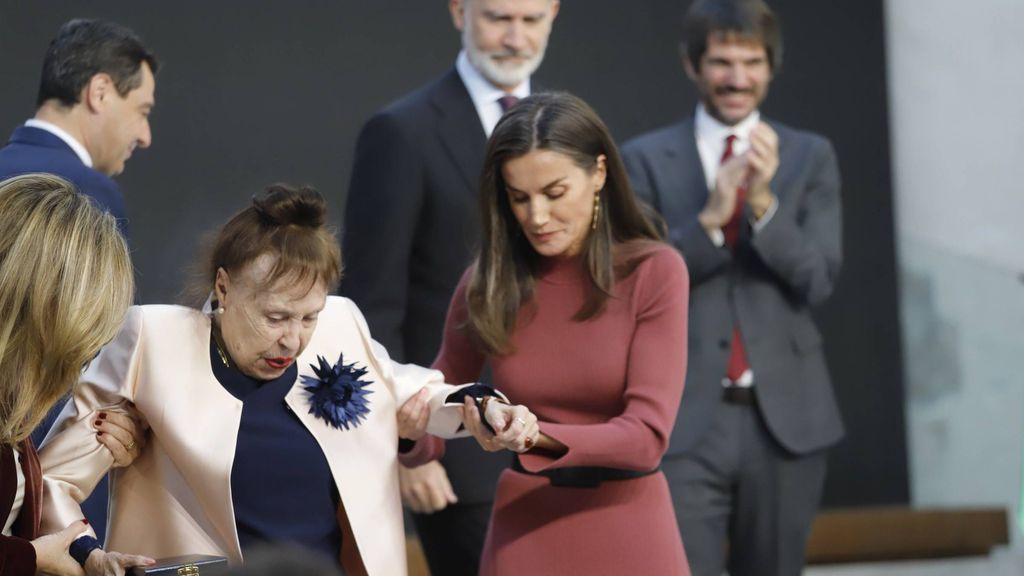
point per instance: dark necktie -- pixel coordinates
(507, 101)
(737, 355)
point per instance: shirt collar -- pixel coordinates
(482, 92)
(710, 129)
(68, 139)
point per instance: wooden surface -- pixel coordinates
(879, 534)
(875, 535)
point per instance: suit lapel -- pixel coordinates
(681, 174)
(459, 127)
(787, 162)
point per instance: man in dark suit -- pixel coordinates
(410, 225)
(92, 111)
(754, 208)
(93, 108)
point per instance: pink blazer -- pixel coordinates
(175, 498)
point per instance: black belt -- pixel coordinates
(738, 395)
(584, 476)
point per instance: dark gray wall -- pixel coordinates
(255, 92)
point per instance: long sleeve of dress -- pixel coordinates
(637, 438)
(637, 434)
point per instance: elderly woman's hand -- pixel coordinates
(123, 433)
(413, 416)
(515, 426)
(102, 563)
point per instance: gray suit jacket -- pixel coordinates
(767, 285)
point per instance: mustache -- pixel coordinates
(727, 90)
(511, 54)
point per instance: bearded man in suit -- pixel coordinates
(754, 207)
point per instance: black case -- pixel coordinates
(190, 565)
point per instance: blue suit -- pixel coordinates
(36, 150)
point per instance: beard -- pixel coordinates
(491, 67)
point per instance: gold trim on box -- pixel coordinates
(188, 570)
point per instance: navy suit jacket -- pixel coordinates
(36, 150)
(767, 285)
(411, 225)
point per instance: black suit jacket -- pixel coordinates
(36, 150)
(411, 226)
(767, 285)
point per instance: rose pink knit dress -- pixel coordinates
(608, 388)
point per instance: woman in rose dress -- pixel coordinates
(580, 310)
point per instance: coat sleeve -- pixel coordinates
(72, 459)
(405, 380)
(384, 198)
(637, 438)
(802, 244)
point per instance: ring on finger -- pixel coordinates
(520, 420)
(131, 445)
(528, 443)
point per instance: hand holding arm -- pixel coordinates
(123, 433)
(52, 555)
(515, 427)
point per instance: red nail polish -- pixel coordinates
(103, 415)
(98, 422)
(86, 520)
(99, 433)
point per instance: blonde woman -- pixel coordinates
(65, 286)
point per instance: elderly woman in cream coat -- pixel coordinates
(273, 417)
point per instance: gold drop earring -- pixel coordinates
(597, 210)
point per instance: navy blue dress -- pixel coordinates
(282, 489)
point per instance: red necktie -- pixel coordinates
(507, 101)
(737, 355)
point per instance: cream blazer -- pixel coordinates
(176, 497)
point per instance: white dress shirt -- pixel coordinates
(485, 95)
(68, 139)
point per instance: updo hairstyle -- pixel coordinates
(286, 223)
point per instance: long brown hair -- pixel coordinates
(506, 266)
(65, 286)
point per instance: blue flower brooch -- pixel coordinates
(337, 395)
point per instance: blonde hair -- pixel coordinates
(65, 286)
